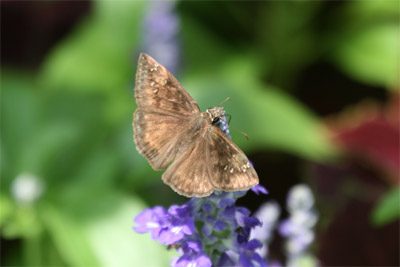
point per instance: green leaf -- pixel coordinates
(97, 56)
(387, 209)
(69, 237)
(117, 244)
(6, 209)
(99, 233)
(45, 146)
(371, 55)
(20, 118)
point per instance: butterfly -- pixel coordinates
(169, 127)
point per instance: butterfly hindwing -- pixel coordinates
(188, 175)
(229, 168)
(157, 90)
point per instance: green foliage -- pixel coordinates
(99, 56)
(387, 209)
(98, 233)
(367, 47)
(372, 55)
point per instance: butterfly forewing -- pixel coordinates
(158, 91)
(230, 170)
(164, 108)
(157, 136)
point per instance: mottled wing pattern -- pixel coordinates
(188, 174)
(157, 90)
(229, 168)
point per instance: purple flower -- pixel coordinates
(248, 256)
(220, 226)
(161, 29)
(225, 202)
(228, 258)
(298, 227)
(180, 224)
(151, 220)
(259, 189)
(223, 125)
(268, 214)
(193, 259)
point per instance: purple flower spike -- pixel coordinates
(268, 214)
(297, 229)
(161, 27)
(206, 231)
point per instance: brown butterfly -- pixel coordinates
(169, 127)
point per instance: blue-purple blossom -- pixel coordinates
(259, 189)
(205, 231)
(151, 220)
(223, 125)
(167, 227)
(298, 227)
(161, 28)
(268, 214)
(248, 256)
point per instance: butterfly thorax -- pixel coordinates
(213, 115)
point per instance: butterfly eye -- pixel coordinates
(216, 119)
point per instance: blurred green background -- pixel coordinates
(314, 84)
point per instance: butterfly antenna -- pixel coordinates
(227, 99)
(245, 134)
(230, 117)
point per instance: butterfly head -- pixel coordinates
(213, 115)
